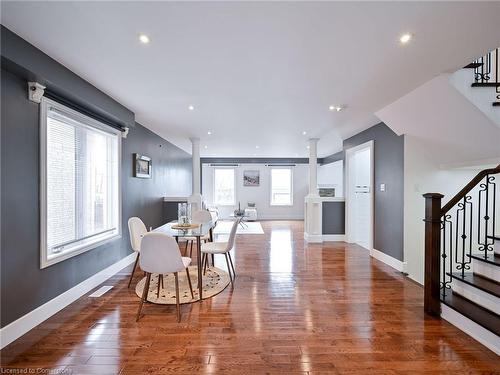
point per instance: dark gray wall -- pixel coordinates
(389, 170)
(333, 219)
(24, 286)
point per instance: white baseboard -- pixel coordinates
(318, 238)
(333, 237)
(29, 321)
(313, 238)
(390, 261)
(477, 332)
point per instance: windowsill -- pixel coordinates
(49, 261)
(281, 205)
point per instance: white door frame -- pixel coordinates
(349, 194)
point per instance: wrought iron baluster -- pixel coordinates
(462, 236)
(497, 70)
(446, 253)
(485, 243)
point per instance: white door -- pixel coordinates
(360, 196)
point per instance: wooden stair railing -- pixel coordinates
(442, 234)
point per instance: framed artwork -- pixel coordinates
(251, 178)
(142, 166)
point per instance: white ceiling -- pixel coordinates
(257, 73)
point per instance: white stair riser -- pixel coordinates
(485, 269)
(476, 295)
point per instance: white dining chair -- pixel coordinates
(137, 230)
(212, 248)
(199, 217)
(160, 254)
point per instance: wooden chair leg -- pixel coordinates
(144, 296)
(186, 249)
(204, 263)
(232, 265)
(229, 270)
(191, 249)
(158, 289)
(189, 281)
(133, 270)
(213, 260)
(177, 297)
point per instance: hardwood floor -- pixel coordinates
(295, 309)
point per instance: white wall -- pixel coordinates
(261, 195)
(456, 130)
(423, 175)
(333, 175)
(481, 97)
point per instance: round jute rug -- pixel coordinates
(215, 281)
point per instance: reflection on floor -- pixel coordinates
(317, 309)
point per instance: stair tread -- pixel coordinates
(490, 258)
(485, 84)
(474, 312)
(473, 65)
(486, 285)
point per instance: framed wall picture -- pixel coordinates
(251, 178)
(142, 166)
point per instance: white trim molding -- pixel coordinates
(19, 327)
(319, 238)
(390, 261)
(333, 237)
(349, 193)
(477, 332)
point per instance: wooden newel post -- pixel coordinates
(432, 220)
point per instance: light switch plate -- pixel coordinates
(382, 187)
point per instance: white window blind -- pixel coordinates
(80, 183)
(281, 187)
(224, 189)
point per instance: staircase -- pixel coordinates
(486, 73)
(462, 258)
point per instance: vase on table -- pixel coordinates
(184, 213)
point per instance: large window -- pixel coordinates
(224, 190)
(281, 186)
(80, 197)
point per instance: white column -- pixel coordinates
(313, 205)
(313, 167)
(196, 199)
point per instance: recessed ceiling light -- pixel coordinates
(307, 147)
(206, 147)
(304, 132)
(144, 39)
(257, 147)
(405, 38)
(191, 107)
(336, 108)
(209, 132)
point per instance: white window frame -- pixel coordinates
(45, 260)
(234, 184)
(271, 188)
